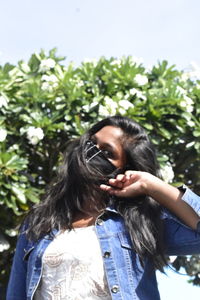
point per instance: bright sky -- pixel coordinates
(174, 286)
(153, 30)
(80, 29)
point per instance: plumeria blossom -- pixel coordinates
(110, 107)
(138, 93)
(47, 64)
(181, 91)
(103, 111)
(49, 82)
(187, 103)
(3, 134)
(116, 62)
(80, 83)
(3, 102)
(141, 79)
(49, 78)
(124, 105)
(167, 173)
(34, 134)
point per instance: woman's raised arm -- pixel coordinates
(135, 183)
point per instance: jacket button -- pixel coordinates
(115, 289)
(106, 254)
(99, 222)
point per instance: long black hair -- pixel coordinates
(78, 182)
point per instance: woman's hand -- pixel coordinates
(130, 184)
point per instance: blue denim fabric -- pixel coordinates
(126, 277)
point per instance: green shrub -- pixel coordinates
(44, 104)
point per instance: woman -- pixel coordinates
(102, 229)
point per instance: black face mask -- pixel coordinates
(97, 160)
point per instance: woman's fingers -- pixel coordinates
(125, 185)
(107, 188)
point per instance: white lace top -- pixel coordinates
(73, 268)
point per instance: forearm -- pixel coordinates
(171, 198)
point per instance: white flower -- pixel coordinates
(141, 79)
(46, 87)
(188, 100)
(138, 93)
(49, 78)
(49, 82)
(167, 172)
(3, 102)
(3, 134)
(187, 103)
(103, 111)
(34, 135)
(80, 83)
(181, 91)
(110, 105)
(47, 64)
(116, 62)
(122, 111)
(125, 104)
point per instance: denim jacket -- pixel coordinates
(127, 279)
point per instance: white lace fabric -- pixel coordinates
(72, 268)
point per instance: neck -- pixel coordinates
(82, 219)
(87, 216)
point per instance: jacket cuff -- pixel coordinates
(190, 198)
(193, 200)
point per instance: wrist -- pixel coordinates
(148, 183)
(154, 186)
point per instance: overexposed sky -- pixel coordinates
(80, 29)
(153, 30)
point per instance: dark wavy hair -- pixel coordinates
(77, 183)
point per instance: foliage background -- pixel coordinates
(44, 104)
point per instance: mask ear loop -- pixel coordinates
(92, 146)
(87, 160)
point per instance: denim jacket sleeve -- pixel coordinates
(179, 239)
(17, 283)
